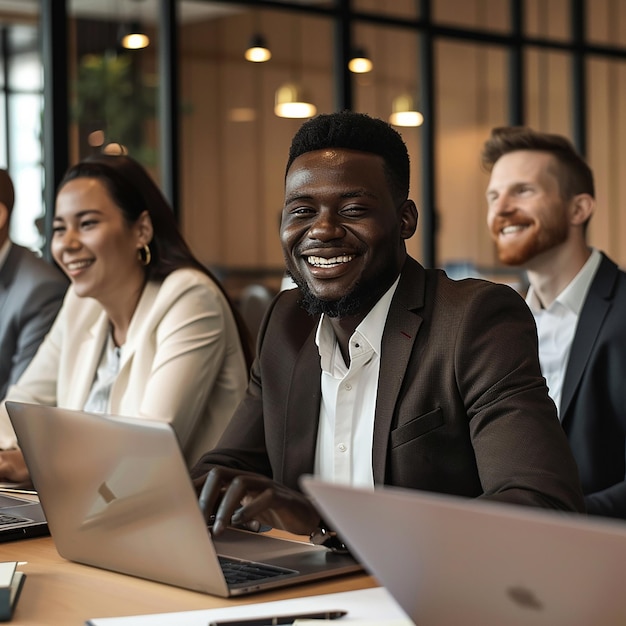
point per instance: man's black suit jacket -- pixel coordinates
(593, 401)
(462, 407)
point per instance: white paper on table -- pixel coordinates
(371, 606)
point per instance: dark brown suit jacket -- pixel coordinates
(462, 407)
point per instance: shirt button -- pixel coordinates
(348, 386)
(342, 447)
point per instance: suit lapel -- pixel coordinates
(303, 407)
(142, 318)
(7, 273)
(3, 295)
(396, 349)
(85, 362)
(595, 308)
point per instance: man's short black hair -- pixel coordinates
(357, 131)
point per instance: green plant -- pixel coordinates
(110, 96)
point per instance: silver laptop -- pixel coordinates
(117, 495)
(450, 561)
(20, 518)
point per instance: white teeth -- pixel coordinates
(77, 265)
(515, 228)
(318, 261)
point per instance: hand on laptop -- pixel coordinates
(235, 497)
(13, 467)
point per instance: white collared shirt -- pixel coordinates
(556, 325)
(346, 423)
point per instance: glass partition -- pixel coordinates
(20, 129)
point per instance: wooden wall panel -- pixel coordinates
(471, 100)
(607, 138)
(201, 188)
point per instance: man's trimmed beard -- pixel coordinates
(347, 305)
(551, 235)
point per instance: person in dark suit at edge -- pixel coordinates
(540, 200)
(31, 294)
(377, 370)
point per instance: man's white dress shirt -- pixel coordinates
(346, 423)
(556, 325)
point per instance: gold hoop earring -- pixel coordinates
(144, 255)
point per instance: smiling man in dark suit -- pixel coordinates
(31, 292)
(376, 370)
(541, 198)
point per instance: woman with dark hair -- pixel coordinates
(145, 330)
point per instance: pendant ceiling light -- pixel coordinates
(360, 63)
(134, 38)
(290, 100)
(257, 51)
(404, 112)
(132, 35)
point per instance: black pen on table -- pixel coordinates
(279, 619)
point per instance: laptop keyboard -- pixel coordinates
(6, 519)
(237, 572)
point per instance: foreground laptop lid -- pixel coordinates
(110, 501)
(450, 561)
(117, 495)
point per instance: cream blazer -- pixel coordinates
(182, 362)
